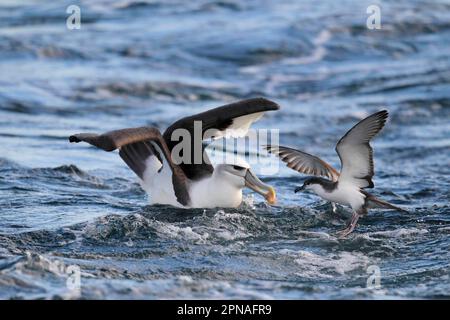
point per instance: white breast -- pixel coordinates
(210, 192)
(345, 193)
(213, 192)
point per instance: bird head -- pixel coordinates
(309, 184)
(242, 176)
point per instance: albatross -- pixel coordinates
(357, 170)
(195, 183)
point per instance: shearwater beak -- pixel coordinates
(253, 182)
(298, 189)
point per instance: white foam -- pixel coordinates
(399, 233)
(315, 235)
(175, 232)
(312, 265)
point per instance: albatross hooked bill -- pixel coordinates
(254, 183)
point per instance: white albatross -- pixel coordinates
(190, 184)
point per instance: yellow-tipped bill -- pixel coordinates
(253, 182)
(271, 196)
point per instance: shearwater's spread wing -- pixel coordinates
(232, 120)
(304, 162)
(142, 149)
(355, 152)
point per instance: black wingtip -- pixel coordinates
(74, 139)
(383, 114)
(380, 116)
(268, 104)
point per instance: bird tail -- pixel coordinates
(374, 202)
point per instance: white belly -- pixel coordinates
(208, 193)
(345, 194)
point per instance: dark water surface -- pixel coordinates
(139, 63)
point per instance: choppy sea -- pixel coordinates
(72, 208)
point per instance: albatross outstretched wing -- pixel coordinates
(139, 148)
(231, 120)
(355, 152)
(304, 162)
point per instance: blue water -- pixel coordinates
(136, 63)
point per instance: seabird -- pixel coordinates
(195, 183)
(357, 170)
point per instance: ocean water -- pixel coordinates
(70, 207)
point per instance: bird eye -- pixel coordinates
(238, 168)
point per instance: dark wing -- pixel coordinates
(374, 202)
(232, 120)
(304, 162)
(355, 152)
(138, 148)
